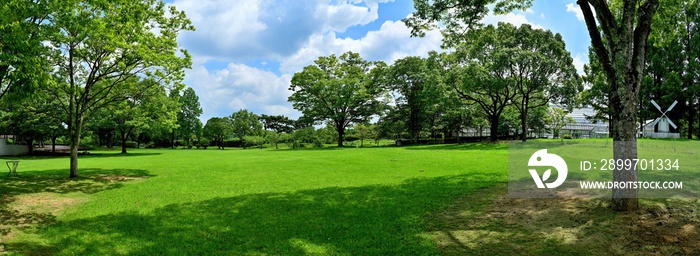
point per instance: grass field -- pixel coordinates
(421, 200)
(327, 201)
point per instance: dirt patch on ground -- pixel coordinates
(488, 223)
(115, 178)
(43, 203)
(26, 213)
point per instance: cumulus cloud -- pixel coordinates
(573, 8)
(239, 86)
(391, 42)
(267, 29)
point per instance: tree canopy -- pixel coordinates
(341, 90)
(102, 44)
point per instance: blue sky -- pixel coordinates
(245, 52)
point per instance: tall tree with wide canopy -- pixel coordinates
(477, 72)
(542, 69)
(245, 124)
(622, 55)
(102, 44)
(343, 90)
(218, 129)
(416, 90)
(188, 116)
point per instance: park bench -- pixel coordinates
(12, 165)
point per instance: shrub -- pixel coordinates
(567, 136)
(318, 143)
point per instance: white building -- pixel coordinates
(11, 150)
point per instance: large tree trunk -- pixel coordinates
(341, 133)
(30, 147)
(123, 135)
(622, 56)
(172, 139)
(523, 124)
(625, 147)
(494, 128)
(74, 144)
(110, 138)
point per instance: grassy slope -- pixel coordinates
(328, 201)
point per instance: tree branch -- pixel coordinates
(596, 40)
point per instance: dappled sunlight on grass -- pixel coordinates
(366, 220)
(341, 201)
(488, 223)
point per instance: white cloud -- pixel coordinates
(579, 61)
(391, 42)
(571, 7)
(286, 33)
(239, 86)
(267, 29)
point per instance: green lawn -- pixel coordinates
(419, 200)
(330, 201)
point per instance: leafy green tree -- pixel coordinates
(24, 25)
(390, 127)
(417, 91)
(245, 124)
(363, 132)
(101, 124)
(217, 130)
(149, 107)
(255, 141)
(542, 69)
(104, 43)
(597, 95)
(274, 138)
(556, 119)
(279, 123)
(619, 38)
(672, 68)
(188, 117)
(477, 78)
(31, 123)
(299, 137)
(341, 89)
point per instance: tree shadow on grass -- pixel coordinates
(24, 218)
(80, 156)
(488, 223)
(369, 220)
(90, 181)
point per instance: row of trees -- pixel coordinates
(499, 69)
(619, 32)
(74, 60)
(152, 116)
(245, 129)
